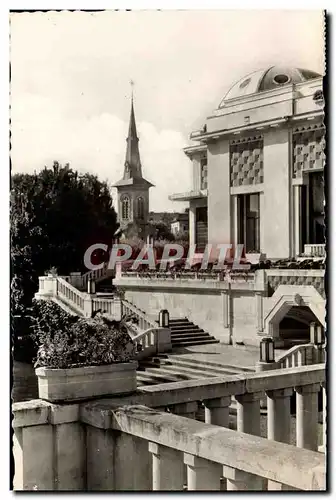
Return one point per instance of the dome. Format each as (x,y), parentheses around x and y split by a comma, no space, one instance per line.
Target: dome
(268,79)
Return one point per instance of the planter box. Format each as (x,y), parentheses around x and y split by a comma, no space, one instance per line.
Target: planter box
(72,384)
(255,258)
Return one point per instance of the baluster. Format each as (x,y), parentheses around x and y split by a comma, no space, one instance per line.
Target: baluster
(217,411)
(202,475)
(278,415)
(167,468)
(237,480)
(307,416)
(301,357)
(248,421)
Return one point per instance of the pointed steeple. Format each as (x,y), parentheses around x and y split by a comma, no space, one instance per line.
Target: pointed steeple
(132,161)
(132,166)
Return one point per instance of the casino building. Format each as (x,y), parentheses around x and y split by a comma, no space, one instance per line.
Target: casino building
(258,167)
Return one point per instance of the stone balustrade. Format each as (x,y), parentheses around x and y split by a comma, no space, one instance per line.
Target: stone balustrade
(152,341)
(131,443)
(144,321)
(301,355)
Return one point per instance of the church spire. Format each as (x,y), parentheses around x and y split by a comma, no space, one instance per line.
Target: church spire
(132,161)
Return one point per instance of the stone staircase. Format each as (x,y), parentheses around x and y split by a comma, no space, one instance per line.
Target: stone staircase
(176,367)
(185,333)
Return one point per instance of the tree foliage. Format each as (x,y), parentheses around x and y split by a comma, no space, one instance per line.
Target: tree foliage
(55,215)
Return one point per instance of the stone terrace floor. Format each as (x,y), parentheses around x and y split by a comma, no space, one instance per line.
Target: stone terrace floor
(244,356)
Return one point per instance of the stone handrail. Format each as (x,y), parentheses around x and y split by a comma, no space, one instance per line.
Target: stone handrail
(70,295)
(315,250)
(300,355)
(152,341)
(144,322)
(157,445)
(108,305)
(96,275)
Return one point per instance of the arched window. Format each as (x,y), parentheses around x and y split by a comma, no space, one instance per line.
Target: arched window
(125,207)
(141,207)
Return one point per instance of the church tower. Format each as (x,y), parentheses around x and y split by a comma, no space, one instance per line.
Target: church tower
(133,189)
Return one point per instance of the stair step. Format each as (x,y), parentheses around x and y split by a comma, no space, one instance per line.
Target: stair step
(161,378)
(196,342)
(218,370)
(178,358)
(188,372)
(183,327)
(172,372)
(187,330)
(183,338)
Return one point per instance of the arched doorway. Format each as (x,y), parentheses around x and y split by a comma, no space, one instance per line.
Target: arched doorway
(289,313)
(294,328)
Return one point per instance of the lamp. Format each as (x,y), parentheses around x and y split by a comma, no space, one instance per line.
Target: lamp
(316,334)
(267,350)
(164,318)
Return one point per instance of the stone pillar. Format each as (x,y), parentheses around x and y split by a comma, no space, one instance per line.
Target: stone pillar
(323,447)
(278,415)
(307,416)
(167,468)
(248,421)
(248,413)
(192,225)
(260,312)
(202,475)
(34,458)
(217,411)
(226,311)
(237,480)
(100,447)
(297,219)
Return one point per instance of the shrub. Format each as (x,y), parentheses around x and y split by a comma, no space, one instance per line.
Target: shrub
(66,341)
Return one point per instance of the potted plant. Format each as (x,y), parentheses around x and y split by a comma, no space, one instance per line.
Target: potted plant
(254,257)
(82,358)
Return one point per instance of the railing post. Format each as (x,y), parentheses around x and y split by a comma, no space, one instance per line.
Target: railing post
(202,475)
(278,415)
(167,468)
(248,413)
(248,421)
(217,411)
(237,480)
(307,416)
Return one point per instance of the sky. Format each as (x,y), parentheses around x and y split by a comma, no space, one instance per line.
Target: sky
(71,72)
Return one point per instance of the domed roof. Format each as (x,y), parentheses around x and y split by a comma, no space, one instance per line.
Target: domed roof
(267,79)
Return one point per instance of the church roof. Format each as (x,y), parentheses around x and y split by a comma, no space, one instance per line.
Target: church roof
(132,166)
(268,79)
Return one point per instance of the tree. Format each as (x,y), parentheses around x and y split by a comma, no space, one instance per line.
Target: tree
(55,215)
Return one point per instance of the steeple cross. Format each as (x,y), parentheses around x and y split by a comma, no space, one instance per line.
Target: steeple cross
(132,85)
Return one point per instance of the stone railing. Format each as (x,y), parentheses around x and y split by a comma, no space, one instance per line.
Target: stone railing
(315,250)
(96,275)
(190,275)
(144,322)
(131,442)
(152,341)
(70,295)
(109,305)
(301,355)
(59,289)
